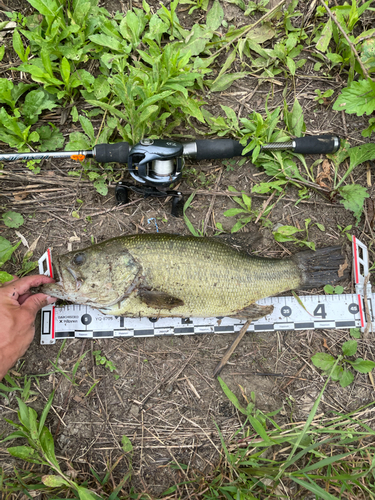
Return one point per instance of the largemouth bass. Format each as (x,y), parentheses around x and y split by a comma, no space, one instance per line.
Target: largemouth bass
(163,275)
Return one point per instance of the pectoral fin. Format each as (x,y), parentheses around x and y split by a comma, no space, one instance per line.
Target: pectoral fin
(159,300)
(253,312)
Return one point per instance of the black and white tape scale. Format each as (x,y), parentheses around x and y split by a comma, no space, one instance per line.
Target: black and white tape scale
(319,312)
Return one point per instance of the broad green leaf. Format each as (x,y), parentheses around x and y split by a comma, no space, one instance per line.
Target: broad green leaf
(33,137)
(6,96)
(101,87)
(85,494)
(287,230)
(360,154)
(266,187)
(107,41)
(87,128)
(46,7)
(54,481)
(35,102)
(101,186)
(353,198)
(325,37)
(148,112)
(12,219)
(24,453)
(337,373)
(77,141)
(234,211)
(368,51)
(48,446)
(18,46)
(261,34)
(291,65)
(349,348)
(6,250)
(33,429)
(323,361)
(328,289)
(225,81)
(4,277)
(355,332)
(296,121)
(50,138)
(362,365)
(65,70)
(232,397)
(45,412)
(126,444)
(215,16)
(358,98)
(110,108)
(80,12)
(346,378)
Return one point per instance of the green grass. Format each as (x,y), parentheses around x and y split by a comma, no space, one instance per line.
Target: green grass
(330,456)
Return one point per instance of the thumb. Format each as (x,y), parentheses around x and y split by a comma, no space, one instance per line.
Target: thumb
(35,302)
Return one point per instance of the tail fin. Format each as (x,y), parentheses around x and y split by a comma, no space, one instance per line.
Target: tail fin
(324,266)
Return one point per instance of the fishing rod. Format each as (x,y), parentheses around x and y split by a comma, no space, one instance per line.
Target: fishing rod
(158,163)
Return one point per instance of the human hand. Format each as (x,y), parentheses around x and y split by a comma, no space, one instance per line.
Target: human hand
(18,308)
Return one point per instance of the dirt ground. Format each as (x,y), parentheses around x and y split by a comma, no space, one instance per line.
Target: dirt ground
(165,398)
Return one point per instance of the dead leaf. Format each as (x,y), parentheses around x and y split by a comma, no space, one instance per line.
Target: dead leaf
(342,268)
(74,238)
(20,196)
(34,244)
(325,343)
(77,399)
(325,174)
(23,239)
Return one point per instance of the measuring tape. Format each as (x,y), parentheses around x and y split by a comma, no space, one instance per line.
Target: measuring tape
(319,311)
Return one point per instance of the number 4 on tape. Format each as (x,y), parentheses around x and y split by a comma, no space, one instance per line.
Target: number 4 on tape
(317,312)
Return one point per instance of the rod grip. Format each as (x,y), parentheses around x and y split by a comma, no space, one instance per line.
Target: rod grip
(318,144)
(118,152)
(216,149)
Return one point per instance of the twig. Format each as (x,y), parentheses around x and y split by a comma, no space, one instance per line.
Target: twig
(351,45)
(209,211)
(231,349)
(265,205)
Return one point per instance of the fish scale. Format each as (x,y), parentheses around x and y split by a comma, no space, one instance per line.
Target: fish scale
(209,276)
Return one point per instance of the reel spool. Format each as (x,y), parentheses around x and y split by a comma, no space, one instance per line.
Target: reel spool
(156,162)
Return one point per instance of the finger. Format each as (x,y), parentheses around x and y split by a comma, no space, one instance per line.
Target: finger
(23,285)
(22,298)
(35,302)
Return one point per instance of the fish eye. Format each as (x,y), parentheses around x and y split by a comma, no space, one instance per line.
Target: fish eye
(79,259)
